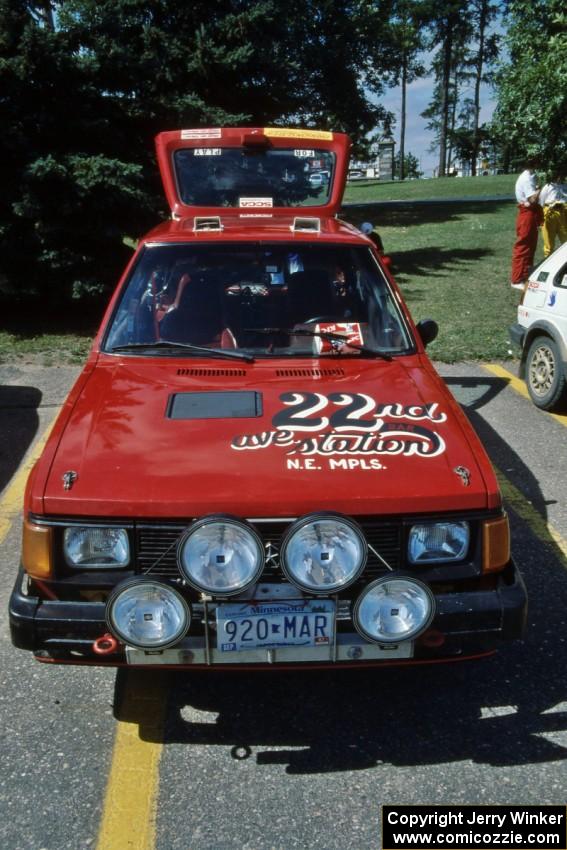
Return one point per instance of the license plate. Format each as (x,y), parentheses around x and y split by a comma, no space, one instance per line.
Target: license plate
(296,622)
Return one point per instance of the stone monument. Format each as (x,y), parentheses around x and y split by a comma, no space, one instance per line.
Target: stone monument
(386,157)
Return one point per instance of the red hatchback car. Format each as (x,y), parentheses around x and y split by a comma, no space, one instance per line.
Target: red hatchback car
(258,464)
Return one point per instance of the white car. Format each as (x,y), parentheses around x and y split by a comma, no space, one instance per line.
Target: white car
(541,332)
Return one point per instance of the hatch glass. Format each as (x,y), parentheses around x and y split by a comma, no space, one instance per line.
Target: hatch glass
(245,178)
(252,170)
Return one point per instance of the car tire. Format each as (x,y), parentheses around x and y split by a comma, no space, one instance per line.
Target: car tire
(545,376)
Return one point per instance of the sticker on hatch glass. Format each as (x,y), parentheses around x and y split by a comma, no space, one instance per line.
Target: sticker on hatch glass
(270,625)
(256,202)
(207,152)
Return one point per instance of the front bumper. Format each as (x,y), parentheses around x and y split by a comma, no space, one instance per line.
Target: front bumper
(466,622)
(517,334)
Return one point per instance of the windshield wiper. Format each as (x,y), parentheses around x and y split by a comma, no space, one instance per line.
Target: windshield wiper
(185,346)
(330,335)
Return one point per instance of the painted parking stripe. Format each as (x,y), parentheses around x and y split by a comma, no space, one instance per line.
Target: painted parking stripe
(519,386)
(129,813)
(542,529)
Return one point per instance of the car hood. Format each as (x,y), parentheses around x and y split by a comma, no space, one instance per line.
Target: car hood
(169,438)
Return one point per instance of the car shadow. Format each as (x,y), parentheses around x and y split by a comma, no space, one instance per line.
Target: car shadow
(409,213)
(510,709)
(433,261)
(19,422)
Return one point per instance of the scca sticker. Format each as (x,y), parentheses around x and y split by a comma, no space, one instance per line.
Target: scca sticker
(348,431)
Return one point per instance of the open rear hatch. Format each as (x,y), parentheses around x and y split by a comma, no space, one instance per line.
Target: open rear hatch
(253,170)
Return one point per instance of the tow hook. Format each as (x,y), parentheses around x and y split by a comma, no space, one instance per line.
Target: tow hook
(105,645)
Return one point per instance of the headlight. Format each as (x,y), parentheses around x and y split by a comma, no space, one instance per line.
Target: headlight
(438,542)
(394,609)
(96,547)
(323,553)
(220,555)
(147,614)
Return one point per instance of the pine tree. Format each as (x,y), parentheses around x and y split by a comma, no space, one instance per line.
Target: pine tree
(449,31)
(86,89)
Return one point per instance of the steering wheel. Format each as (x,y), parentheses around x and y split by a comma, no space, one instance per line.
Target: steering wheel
(316,319)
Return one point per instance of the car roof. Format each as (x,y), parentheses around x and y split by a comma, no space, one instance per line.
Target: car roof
(255,227)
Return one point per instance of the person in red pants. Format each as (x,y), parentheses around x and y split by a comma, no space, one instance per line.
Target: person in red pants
(528,220)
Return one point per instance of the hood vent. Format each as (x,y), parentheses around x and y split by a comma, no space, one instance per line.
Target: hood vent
(209,222)
(310,373)
(302,224)
(212,373)
(241,373)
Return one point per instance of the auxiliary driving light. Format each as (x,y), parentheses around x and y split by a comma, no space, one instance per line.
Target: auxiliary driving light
(392,609)
(220,555)
(323,553)
(147,614)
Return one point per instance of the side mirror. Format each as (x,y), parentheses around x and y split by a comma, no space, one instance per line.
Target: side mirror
(427,330)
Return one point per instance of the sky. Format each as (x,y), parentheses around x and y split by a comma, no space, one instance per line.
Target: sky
(418,138)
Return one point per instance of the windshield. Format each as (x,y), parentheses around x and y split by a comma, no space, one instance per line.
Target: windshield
(239,177)
(263,300)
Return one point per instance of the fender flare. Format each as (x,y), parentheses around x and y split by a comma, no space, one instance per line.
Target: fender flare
(542,328)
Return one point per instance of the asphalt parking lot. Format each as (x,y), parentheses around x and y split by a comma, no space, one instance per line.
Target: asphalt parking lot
(92,758)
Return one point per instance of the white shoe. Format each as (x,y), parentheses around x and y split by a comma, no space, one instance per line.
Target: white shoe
(518,285)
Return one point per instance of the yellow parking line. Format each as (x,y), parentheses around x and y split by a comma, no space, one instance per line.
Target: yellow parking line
(519,386)
(129,814)
(11,502)
(542,529)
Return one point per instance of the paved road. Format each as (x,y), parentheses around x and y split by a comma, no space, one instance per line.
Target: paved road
(290,761)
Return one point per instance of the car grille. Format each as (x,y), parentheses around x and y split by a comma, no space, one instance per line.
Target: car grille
(156,547)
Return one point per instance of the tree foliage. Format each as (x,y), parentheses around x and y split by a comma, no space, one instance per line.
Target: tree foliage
(410,168)
(449,31)
(466,48)
(532,84)
(482,58)
(85,86)
(407,36)
(469,143)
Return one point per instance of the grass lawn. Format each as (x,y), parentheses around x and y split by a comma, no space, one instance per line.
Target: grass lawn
(452,262)
(438,187)
(30,333)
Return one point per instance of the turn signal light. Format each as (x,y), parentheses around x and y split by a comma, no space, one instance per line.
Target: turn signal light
(36,550)
(495,544)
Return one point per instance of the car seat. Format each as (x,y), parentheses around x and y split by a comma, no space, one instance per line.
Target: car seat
(197,317)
